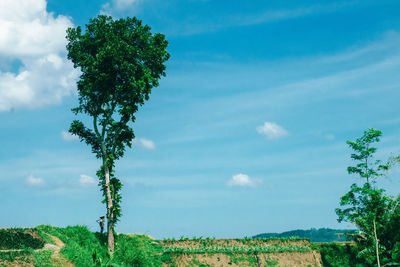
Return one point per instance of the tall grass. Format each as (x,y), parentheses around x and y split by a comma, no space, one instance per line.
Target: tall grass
(84,248)
(80,244)
(11,256)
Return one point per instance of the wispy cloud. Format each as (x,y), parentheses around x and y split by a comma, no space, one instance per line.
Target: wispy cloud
(283,14)
(214,24)
(86,180)
(271,130)
(329,136)
(243,180)
(66,136)
(143,142)
(34,182)
(118,5)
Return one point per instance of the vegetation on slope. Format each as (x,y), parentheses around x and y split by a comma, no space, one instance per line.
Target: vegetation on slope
(85,248)
(77,246)
(82,248)
(288,251)
(18,238)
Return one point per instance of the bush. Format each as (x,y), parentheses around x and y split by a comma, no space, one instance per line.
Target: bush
(339,255)
(17,238)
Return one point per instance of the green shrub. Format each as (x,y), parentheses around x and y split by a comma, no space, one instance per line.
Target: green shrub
(18,238)
(396,253)
(340,255)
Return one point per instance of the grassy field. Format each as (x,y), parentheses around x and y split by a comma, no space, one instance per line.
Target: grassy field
(77,246)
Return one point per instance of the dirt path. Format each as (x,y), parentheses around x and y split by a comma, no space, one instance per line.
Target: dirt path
(58,259)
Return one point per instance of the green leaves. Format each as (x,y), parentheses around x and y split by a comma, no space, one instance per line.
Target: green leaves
(86,135)
(120,61)
(364,151)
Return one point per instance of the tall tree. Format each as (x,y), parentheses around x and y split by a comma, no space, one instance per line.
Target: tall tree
(120,62)
(366,206)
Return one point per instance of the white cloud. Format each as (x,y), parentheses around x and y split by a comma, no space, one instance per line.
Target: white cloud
(36,39)
(86,180)
(243,180)
(34,182)
(271,130)
(66,136)
(143,142)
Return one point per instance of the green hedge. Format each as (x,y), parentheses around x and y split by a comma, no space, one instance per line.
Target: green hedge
(17,238)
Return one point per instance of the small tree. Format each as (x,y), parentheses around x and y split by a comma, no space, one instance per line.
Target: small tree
(366,206)
(366,168)
(121,61)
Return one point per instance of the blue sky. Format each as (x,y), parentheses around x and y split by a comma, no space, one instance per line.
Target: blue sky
(246,133)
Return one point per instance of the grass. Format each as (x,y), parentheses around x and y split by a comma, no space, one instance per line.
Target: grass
(244,259)
(84,248)
(197,263)
(43,258)
(12,256)
(271,262)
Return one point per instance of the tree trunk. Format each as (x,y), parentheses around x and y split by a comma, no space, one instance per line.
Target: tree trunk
(376,244)
(110,213)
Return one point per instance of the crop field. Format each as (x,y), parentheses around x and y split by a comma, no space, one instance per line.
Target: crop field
(239,252)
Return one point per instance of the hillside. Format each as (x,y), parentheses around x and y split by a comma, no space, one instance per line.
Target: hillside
(315,235)
(77,246)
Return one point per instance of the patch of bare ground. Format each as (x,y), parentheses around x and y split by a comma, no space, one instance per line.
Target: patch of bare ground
(292,259)
(16,263)
(215,259)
